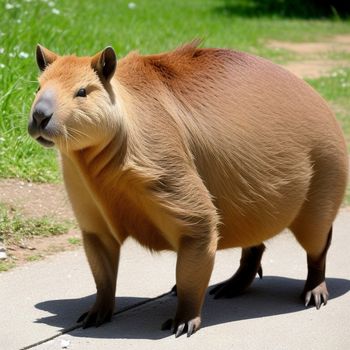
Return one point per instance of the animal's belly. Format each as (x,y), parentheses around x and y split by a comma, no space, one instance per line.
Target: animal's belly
(131,220)
(149,236)
(252,225)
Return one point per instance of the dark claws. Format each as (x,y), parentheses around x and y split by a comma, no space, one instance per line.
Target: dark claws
(260,272)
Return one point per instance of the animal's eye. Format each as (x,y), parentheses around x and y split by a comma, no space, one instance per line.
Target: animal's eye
(81,92)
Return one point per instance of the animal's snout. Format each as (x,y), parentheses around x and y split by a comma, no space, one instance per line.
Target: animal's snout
(39,126)
(41,117)
(43,112)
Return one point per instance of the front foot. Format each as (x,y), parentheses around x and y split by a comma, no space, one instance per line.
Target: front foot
(180,327)
(99,314)
(318,295)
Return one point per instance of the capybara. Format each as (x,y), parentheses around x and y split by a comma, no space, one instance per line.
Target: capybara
(193,150)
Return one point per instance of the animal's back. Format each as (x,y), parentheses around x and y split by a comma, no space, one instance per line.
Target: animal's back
(255,131)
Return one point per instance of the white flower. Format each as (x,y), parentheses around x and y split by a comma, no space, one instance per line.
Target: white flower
(2,50)
(19,20)
(2,139)
(55,11)
(2,65)
(51,4)
(12,54)
(9,6)
(131,5)
(23,54)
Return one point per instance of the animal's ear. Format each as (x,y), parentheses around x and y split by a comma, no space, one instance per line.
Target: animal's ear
(44,57)
(105,63)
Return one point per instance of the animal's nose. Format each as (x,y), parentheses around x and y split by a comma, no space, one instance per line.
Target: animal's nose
(41,117)
(42,113)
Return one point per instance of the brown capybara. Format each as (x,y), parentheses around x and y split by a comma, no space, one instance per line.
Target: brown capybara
(191,150)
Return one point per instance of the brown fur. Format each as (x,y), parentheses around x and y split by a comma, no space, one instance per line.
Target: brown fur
(193,150)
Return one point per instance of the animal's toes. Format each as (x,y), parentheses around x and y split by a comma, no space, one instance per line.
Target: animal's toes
(307,298)
(178,328)
(90,320)
(318,295)
(190,327)
(95,318)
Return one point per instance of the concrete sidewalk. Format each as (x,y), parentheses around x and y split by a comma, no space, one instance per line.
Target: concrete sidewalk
(40,300)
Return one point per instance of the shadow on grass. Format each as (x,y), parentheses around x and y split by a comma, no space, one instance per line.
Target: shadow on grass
(305,9)
(268,297)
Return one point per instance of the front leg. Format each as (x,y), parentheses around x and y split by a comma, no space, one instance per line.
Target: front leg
(101,247)
(102,252)
(193,270)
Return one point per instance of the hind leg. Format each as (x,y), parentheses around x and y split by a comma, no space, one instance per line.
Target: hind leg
(316,244)
(313,225)
(315,286)
(250,265)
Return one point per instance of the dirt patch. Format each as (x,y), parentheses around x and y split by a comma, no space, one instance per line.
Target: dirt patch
(339,43)
(36,200)
(313,65)
(313,69)
(40,247)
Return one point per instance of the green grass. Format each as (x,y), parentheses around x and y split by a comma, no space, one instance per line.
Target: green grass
(335,88)
(6,265)
(74,240)
(152,26)
(34,257)
(14,227)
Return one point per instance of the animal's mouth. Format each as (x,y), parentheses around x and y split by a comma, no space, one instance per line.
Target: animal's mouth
(44,142)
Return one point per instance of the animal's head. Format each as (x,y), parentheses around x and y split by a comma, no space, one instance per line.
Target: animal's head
(74,105)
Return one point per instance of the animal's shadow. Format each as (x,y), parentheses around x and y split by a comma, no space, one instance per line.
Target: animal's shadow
(267,297)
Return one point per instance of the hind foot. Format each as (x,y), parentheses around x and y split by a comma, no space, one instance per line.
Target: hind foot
(100,313)
(250,265)
(178,328)
(318,295)
(315,287)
